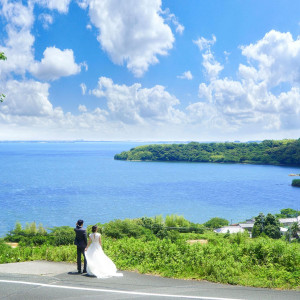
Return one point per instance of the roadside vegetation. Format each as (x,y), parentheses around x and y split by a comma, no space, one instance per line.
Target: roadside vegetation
(163,246)
(268,152)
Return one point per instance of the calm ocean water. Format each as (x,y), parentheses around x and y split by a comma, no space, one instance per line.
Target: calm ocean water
(57,183)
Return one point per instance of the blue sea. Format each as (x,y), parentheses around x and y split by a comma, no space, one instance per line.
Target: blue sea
(56,183)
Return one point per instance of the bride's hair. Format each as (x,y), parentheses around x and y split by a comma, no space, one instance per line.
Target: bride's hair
(94,228)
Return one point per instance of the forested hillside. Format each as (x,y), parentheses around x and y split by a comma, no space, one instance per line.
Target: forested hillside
(271,152)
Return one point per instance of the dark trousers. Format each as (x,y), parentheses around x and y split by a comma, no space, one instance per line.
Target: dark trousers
(80,251)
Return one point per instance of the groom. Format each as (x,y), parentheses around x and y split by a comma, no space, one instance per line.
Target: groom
(81,243)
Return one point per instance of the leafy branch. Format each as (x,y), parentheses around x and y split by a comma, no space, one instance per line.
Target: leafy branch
(2,57)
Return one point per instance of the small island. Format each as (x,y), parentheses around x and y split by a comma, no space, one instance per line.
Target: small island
(267,152)
(296,182)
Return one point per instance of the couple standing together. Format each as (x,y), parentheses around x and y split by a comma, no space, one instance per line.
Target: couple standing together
(95,260)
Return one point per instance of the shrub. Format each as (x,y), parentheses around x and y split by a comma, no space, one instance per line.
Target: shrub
(296,182)
(63,235)
(176,221)
(288,213)
(122,228)
(36,240)
(268,226)
(31,235)
(216,223)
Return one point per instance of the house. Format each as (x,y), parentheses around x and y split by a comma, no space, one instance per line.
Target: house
(230,229)
(248,225)
(283,230)
(289,221)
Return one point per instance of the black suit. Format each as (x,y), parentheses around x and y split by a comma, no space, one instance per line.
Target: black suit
(81,243)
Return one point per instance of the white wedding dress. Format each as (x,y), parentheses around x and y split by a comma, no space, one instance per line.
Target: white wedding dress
(98,263)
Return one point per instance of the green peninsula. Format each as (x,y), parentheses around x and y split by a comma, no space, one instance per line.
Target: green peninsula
(268,152)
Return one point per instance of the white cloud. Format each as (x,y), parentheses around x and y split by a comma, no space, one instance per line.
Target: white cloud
(273,60)
(186,75)
(180,29)
(211,66)
(84,65)
(265,96)
(19,51)
(277,56)
(82,108)
(83,88)
(204,43)
(131,32)
(18,14)
(134,104)
(26,98)
(55,64)
(83,3)
(27,112)
(61,6)
(226,55)
(172,18)
(46,20)
(19,48)
(19,41)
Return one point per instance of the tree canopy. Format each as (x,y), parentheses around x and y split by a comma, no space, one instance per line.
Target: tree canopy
(267,225)
(288,213)
(269,152)
(216,223)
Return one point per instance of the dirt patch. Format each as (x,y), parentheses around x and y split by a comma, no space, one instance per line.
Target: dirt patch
(191,242)
(13,245)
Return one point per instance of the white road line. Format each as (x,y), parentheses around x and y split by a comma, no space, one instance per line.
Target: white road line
(115,291)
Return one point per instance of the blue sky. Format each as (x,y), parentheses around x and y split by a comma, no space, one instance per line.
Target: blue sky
(202,70)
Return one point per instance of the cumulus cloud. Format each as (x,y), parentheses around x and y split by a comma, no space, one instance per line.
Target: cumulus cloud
(26,98)
(55,64)
(186,75)
(131,32)
(134,104)
(18,15)
(265,93)
(61,6)
(19,41)
(19,47)
(277,56)
(251,99)
(27,107)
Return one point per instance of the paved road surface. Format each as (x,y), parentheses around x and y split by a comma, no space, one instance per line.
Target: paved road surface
(50,280)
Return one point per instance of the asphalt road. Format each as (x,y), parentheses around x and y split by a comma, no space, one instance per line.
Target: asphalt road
(50,280)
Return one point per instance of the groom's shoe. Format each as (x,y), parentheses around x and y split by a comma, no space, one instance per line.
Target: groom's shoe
(84,271)
(79,272)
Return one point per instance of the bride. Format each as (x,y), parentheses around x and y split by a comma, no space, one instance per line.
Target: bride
(98,263)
